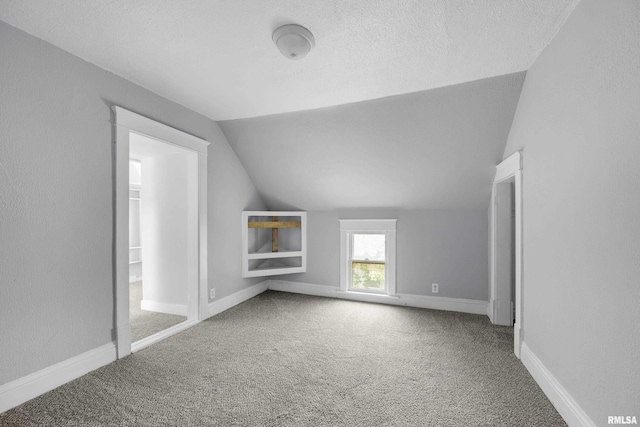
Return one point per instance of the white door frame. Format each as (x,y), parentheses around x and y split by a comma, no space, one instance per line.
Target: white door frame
(127,122)
(510,168)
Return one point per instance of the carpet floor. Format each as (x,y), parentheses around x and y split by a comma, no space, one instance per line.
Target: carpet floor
(284,359)
(146,323)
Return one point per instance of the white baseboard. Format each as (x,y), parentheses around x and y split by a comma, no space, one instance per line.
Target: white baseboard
(303,288)
(23,389)
(133,279)
(33,385)
(164,307)
(566,406)
(159,336)
(420,301)
(218,306)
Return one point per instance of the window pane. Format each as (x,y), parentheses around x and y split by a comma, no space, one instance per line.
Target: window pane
(365,275)
(368,247)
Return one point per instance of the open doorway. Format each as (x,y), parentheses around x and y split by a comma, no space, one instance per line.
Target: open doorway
(144,323)
(505,305)
(504,252)
(160,231)
(162,214)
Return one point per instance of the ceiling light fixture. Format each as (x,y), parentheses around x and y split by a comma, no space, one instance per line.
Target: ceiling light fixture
(293,41)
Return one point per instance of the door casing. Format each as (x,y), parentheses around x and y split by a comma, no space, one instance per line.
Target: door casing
(126,123)
(510,170)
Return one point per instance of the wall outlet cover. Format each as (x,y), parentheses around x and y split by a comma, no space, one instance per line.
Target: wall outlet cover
(212,293)
(435,288)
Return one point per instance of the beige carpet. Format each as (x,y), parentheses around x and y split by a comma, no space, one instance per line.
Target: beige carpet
(293,360)
(146,323)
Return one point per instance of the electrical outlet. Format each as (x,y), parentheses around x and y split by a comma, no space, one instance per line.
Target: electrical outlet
(212,293)
(435,288)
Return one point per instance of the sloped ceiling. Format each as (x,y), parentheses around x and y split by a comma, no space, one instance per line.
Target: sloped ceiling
(217,58)
(435,149)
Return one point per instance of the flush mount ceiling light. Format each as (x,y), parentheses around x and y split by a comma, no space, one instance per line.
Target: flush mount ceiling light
(293,41)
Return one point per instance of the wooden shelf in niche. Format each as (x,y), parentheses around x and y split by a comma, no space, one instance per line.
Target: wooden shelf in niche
(274,243)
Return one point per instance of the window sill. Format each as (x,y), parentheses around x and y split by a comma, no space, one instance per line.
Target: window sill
(368,294)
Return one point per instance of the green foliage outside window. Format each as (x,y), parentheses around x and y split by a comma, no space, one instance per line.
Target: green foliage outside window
(366,275)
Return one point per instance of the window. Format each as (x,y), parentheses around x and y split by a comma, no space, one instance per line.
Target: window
(367,256)
(367,262)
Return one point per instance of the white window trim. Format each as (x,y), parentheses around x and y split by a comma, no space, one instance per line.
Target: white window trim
(376,226)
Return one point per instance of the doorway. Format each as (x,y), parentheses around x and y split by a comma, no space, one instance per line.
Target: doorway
(162,213)
(504,262)
(160,225)
(506,287)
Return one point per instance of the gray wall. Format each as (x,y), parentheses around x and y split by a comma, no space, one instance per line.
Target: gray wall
(448,247)
(435,149)
(426,158)
(56,212)
(169,218)
(230,192)
(578,120)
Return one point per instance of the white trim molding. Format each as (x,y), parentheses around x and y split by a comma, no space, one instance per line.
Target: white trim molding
(419,301)
(249,255)
(507,170)
(159,336)
(163,133)
(564,403)
(223,304)
(33,385)
(23,389)
(128,123)
(164,307)
(508,167)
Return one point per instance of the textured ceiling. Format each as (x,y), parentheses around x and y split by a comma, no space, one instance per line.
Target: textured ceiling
(216,56)
(435,149)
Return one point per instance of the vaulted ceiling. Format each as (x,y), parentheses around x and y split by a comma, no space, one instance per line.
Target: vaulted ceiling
(217,58)
(402,103)
(435,149)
